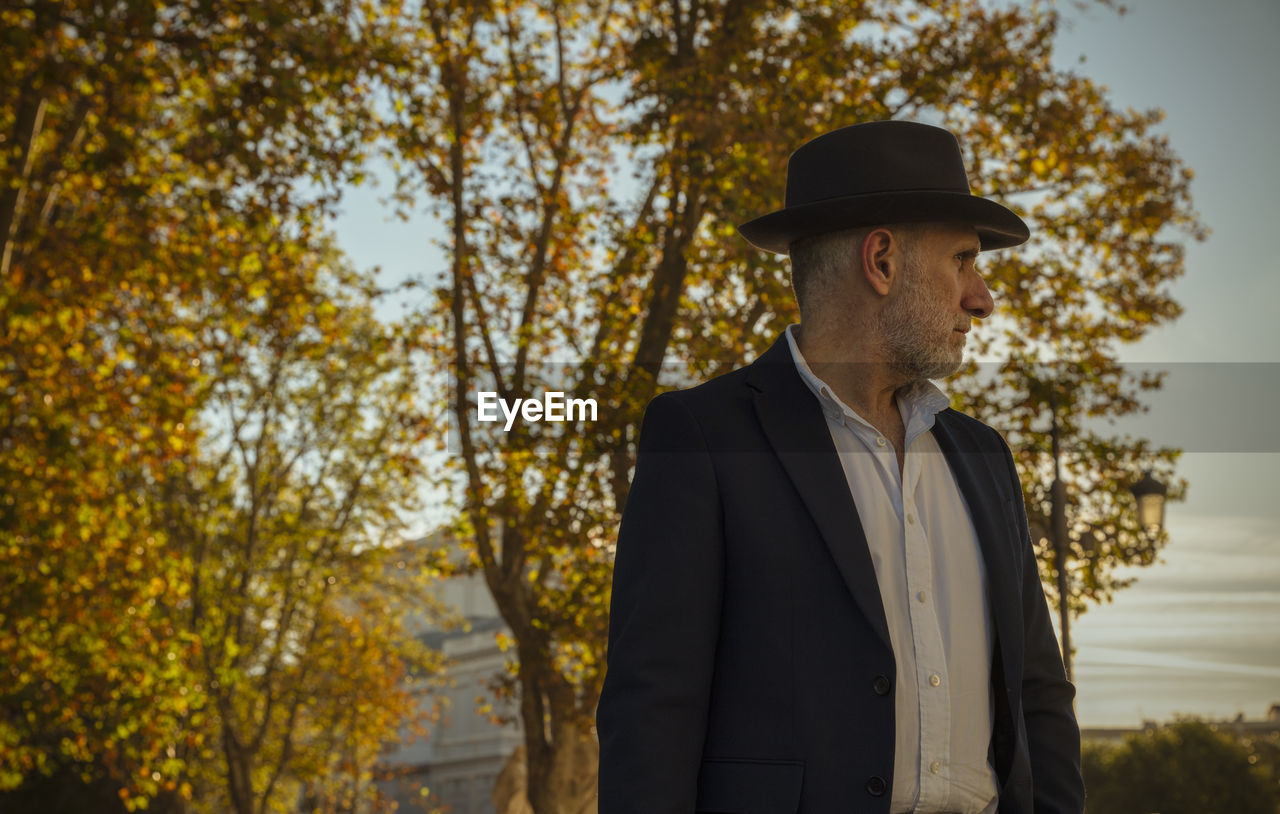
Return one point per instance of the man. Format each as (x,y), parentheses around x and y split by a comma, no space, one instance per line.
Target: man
(825,597)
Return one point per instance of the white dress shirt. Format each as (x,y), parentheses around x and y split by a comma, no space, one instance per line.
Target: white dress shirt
(933,586)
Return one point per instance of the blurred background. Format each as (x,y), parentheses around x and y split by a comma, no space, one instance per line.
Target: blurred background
(256,553)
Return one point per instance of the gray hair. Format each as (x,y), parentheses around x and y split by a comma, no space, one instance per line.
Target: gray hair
(819,261)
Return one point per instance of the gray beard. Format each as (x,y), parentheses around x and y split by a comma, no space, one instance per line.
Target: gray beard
(906,326)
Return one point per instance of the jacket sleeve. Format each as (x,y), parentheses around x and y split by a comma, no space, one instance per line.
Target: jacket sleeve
(664,621)
(1053,736)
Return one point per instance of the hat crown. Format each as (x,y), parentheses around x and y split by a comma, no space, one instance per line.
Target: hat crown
(874,158)
(876,173)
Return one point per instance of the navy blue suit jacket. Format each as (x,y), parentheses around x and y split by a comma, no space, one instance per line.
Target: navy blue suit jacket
(749,664)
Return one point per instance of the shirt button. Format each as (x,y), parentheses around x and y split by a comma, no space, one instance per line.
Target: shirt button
(880,441)
(935,679)
(920,596)
(935,767)
(911,518)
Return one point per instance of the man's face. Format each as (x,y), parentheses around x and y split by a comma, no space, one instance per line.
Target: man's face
(938,293)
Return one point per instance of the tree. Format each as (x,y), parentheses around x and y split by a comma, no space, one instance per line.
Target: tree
(150,153)
(528,117)
(1188,766)
(1264,753)
(524,80)
(291,519)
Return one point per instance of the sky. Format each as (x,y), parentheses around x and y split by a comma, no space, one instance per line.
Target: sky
(1199,632)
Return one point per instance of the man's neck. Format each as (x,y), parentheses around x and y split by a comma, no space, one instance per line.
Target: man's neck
(857,373)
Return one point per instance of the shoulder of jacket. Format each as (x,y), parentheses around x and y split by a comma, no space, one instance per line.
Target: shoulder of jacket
(713,394)
(979,432)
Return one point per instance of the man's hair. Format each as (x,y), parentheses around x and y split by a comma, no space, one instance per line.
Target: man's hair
(818,261)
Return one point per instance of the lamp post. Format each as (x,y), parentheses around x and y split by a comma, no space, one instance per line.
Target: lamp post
(1149,494)
(1058,528)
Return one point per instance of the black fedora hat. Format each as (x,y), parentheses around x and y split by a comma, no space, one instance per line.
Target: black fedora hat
(880,173)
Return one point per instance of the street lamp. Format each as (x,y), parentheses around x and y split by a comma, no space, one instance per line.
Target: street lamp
(1150,493)
(1058,528)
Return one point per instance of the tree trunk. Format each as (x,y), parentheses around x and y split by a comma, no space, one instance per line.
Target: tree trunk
(573,790)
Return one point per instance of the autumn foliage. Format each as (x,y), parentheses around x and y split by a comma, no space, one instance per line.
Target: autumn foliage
(208,442)
(590,161)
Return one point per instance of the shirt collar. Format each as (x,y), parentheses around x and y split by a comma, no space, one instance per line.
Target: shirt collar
(918,402)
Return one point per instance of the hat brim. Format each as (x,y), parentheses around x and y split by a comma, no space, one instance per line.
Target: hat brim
(997,227)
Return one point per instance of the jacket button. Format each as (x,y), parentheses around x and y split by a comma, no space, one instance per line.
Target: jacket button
(876,786)
(881,685)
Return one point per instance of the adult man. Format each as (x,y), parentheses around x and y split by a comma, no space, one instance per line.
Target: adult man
(812,611)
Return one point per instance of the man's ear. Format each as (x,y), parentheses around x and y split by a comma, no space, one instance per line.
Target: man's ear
(879,254)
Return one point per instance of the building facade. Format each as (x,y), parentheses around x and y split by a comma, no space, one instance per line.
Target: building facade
(465,751)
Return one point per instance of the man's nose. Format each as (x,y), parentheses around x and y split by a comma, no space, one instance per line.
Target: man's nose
(977,298)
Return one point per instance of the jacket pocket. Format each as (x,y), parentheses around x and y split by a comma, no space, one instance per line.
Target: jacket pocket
(749,786)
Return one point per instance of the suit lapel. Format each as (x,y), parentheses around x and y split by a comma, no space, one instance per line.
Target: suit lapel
(793,422)
(797,430)
(986,496)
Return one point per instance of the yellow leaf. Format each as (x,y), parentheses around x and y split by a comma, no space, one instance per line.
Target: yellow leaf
(258,289)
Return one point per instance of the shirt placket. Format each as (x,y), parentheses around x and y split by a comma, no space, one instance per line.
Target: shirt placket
(926,635)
